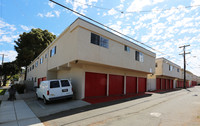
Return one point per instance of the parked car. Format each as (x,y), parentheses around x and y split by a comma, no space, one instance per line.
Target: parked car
(51,90)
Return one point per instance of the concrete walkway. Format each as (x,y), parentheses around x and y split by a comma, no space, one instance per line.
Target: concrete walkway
(16,113)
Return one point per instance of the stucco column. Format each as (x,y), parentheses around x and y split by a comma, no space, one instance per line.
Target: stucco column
(124,84)
(137,85)
(107,85)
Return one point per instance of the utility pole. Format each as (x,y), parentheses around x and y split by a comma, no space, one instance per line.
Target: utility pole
(184,61)
(2,66)
(2,59)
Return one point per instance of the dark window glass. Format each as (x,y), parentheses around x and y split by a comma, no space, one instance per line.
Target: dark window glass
(65,83)
(156,65)
(54,84)
(55,50)
(137,55)
(95,39)
(126,48)
(50,53)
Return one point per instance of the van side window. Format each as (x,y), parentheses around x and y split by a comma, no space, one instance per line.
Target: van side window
(65,83)
(54,84)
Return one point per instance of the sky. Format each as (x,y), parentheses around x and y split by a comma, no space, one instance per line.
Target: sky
(164,25)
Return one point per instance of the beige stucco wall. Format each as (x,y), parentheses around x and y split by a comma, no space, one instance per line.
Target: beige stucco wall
(115,54)
(163,68)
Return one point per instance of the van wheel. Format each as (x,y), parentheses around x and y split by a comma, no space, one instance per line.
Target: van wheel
(37,96)
(44,100)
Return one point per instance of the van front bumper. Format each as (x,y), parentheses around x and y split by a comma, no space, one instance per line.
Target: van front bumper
(61,97)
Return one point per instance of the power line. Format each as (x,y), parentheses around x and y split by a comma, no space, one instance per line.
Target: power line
(107,27)
(112,29)
(145,11)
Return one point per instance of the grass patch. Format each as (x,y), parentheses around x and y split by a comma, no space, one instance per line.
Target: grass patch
(2,91)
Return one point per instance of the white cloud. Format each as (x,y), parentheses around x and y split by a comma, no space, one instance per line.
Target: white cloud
(51,4)
(8,38)
(40,15)
(57,13)
(157,1)
(195,2)
(112,12)
(10,55)
(80,5)
(122,1)
(7,32)
(138,5)
(26,28)
(90,1)
(49,14)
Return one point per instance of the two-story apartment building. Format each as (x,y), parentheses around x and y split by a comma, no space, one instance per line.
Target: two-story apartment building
(189,79)
(99,62)
(165,76)
(194,80)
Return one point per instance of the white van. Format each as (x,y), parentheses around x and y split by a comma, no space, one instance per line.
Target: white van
(51,90)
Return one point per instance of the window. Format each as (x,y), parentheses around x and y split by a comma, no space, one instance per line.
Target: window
(156,65)
(54,84)
(32,67)
(170,68)
(98,40)
(64,83)
(41,60)
(46,55)
(27,70)
(177,70)
(35,79)
(139,56)
(36,63)
(53,51)
(126,48)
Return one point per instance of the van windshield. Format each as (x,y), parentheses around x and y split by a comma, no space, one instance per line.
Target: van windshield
(65,83)
(54,84)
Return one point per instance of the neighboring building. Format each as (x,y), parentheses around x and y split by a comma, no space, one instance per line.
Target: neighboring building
(189,78)
(98,62)
(165,76)
(194,80)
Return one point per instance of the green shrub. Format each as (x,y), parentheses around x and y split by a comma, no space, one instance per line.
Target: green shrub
(2,91)
(20,88)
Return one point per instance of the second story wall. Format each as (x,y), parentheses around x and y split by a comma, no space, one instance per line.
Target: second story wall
(167,68)
(114,53)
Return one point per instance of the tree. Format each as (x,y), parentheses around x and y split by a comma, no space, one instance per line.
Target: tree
(9,70)
(30,45)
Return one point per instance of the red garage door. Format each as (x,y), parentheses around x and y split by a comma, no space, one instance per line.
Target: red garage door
(95,84)
(141,85)
(158,84)
(171,84)
(187,84)
(116,85)
(168,84)
(131,85)
(163,84)
(44,78)
(39,80)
